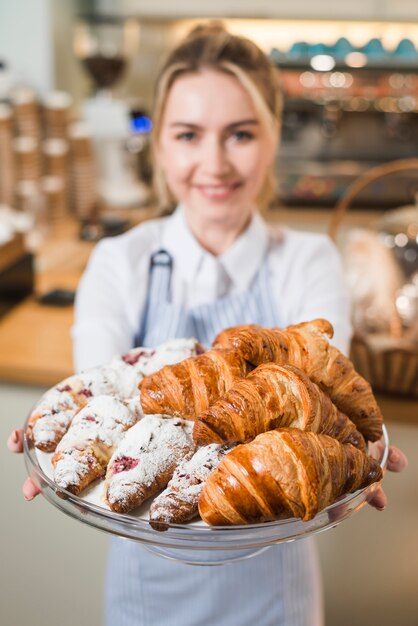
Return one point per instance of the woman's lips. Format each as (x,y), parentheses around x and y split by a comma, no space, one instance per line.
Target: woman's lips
(218,192)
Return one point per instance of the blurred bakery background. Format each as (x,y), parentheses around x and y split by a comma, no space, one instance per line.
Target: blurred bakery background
(76,84)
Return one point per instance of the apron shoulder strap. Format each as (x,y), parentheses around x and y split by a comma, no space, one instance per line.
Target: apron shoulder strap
(159,287)
(161,258)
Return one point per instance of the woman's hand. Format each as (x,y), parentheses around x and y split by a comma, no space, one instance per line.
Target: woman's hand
(15,444)
(397,462)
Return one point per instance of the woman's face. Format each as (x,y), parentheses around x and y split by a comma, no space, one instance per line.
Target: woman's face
(213,148)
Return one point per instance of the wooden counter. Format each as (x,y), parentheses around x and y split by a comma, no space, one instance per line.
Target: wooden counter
(398,409)
(35,343)
(35,340)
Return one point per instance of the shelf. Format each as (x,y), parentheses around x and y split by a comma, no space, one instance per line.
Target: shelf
(385,66)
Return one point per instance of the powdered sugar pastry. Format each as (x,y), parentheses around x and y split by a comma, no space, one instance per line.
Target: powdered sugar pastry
(84,451)
(52,416)
(178,503)
(146,459)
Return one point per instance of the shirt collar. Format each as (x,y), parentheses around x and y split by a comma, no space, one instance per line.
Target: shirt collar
(241,261)
(179,241)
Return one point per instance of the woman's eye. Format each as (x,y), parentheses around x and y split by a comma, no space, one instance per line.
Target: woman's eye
(186,136)
(242,135)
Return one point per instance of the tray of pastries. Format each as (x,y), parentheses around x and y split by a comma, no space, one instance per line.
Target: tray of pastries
(269,436)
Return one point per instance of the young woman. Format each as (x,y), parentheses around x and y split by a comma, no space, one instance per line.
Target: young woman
(213,263)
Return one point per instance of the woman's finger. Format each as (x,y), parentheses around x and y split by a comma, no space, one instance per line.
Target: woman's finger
(378,499)
(15,441)
(397,461)
(15,444)
(30,490)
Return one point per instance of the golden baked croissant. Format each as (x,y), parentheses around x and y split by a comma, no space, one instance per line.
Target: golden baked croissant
(273,396)
(188,388)
(284,473)
(307,347)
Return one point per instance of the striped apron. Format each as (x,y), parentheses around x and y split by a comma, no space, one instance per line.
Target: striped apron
(281,586)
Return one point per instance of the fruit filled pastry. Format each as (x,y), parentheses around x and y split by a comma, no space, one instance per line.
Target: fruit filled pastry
(307,347)
(146,459)
(128,370)
(284,473)
(273,396)
(188,388)
(84,451)
(170,353)
(125,371)
(178,503)
(51,418)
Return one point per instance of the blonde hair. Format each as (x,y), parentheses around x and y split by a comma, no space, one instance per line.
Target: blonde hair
(211,46)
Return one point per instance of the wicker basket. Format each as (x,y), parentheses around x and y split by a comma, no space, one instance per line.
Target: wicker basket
(388,369)
(389,364)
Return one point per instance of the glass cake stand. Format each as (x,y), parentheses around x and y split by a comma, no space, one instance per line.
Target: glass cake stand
(195,543)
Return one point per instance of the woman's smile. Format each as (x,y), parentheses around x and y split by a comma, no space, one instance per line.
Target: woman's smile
(221,191)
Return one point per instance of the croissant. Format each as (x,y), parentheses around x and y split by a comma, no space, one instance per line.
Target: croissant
(145,460)
(284,473)
(178,503)
(273,396)
(84,451)
(188,388)
(307,347)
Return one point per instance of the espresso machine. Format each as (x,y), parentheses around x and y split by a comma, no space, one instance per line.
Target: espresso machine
(119,128)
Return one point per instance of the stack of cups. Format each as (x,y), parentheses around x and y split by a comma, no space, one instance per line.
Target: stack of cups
(7,169)
(27,194)
(54,192)
(27,158)
(56,109)
(26,113)
(55,153)
(29,200)
(83,174)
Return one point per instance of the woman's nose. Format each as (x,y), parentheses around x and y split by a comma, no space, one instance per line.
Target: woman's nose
(215,161)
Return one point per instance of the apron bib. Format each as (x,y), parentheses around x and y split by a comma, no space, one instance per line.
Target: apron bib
(281,586)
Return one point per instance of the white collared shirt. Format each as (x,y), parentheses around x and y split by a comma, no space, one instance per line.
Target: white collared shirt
(199,276)
(305,274)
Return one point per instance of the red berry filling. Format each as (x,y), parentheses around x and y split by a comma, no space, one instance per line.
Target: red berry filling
(193,480)
(86,392)
(123,464)
(64,388)
(131,359)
